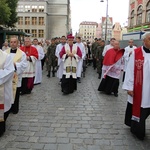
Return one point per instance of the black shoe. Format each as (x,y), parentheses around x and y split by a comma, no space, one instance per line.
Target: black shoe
(14,112)
(99,76)
(1,134)
(116,94)
(78,80)
(139,136)
(28,92)
(83,74)
(65,93)
(36,83)
(22,93)
(48,76)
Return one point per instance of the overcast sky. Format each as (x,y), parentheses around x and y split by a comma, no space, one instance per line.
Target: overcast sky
(93,10)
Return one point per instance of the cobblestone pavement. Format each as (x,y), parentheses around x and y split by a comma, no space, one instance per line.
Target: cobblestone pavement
(84,120)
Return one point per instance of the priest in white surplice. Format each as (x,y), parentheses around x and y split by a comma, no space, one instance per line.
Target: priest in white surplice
(6,92)
(80,62)
(59,61)
(128,51)
(38,65)
(29,74)
(137,84)
(70,54)
(20,63)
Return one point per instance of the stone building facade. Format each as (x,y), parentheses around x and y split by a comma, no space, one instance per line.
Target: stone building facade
(139,15)
(107,34)
(44,18)
(117,31)
(87,30)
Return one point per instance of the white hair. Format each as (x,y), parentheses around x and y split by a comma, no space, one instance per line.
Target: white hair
(27,38)
(145,35)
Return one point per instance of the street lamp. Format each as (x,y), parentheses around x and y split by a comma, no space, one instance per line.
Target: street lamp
(106,19)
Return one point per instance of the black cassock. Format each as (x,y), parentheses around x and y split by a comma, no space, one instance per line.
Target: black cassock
(68,85)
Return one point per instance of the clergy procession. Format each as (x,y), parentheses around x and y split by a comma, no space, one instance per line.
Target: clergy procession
(69,59)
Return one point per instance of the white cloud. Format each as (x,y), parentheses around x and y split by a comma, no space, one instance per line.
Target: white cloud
(93,10)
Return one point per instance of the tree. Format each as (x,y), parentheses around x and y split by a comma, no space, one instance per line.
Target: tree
(12,4)
(4,12)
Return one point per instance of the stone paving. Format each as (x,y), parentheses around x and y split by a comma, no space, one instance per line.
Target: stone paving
(84,120)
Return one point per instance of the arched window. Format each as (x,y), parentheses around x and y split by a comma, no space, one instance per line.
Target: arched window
(139,15)
(132,19)
(148,12)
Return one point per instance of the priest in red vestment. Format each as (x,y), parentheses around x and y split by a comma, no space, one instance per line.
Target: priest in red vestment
(70,55)
(111,70)
(29,74)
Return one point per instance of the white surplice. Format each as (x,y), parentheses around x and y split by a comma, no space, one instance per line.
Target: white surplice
(6,76)
(129,79)
(38,66)
(59,62)
(20,66)
(126,56)
(114,70)
(80,62)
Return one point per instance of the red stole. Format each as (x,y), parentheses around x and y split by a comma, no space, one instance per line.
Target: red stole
(138,83)
(112,56)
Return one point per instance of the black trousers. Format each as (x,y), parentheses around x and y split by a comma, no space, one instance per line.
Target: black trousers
(3,123)
(137,128)
(94,62)
(15,106)
(43,61)
(123,76)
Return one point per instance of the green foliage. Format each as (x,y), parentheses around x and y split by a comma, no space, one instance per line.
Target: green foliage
(4,12)
(8,14)
(13,16)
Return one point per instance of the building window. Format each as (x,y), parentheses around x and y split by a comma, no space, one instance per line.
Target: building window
(21,30)
(20,8)
(34,33)
(41,20)
(148,16)
(20,20)
(27,8)
(41,8)
(139,15)
(41,33)
(27,30)
(27,20)
(34,20)
(34,8)
(148,12)
(132,19)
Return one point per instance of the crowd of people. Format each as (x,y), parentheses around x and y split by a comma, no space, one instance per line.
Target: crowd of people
(21,67)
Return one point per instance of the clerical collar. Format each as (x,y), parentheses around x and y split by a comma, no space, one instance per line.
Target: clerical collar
(13,50)
(146,49)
